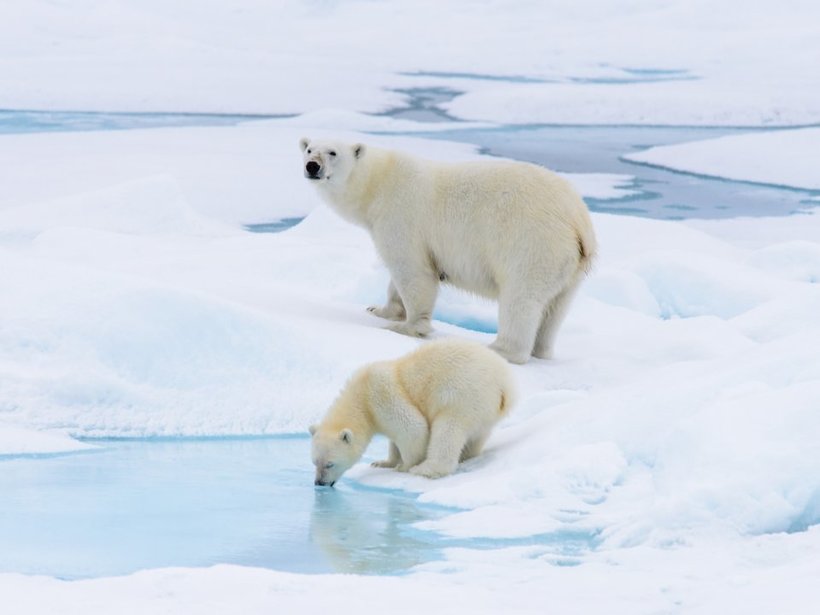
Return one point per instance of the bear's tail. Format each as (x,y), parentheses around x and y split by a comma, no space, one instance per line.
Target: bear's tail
(587,244)
(507,399)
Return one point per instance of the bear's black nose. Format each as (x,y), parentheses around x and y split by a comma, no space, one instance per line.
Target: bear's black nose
(312,167)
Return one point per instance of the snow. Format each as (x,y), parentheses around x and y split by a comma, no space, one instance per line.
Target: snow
(781,157)
(15,440)
(653,62)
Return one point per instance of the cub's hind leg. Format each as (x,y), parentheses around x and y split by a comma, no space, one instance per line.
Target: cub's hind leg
(447,440)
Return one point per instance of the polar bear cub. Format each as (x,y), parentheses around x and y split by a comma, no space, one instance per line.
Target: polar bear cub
(510,231)
(437,405)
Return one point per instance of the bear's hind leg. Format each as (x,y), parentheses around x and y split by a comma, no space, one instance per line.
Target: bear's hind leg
(447,440)
(551,320)
(393,309)
(518,322)
(393,458)
(474,447)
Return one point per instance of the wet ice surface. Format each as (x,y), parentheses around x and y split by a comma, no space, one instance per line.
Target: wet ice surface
(135,504)
(277,226)
(14,121)
(660,193)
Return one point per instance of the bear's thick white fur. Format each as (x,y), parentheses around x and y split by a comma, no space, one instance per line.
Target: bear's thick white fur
(510,231)
(437,405)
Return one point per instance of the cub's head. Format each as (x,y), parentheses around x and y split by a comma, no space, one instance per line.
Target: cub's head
(333,452)
(327,162)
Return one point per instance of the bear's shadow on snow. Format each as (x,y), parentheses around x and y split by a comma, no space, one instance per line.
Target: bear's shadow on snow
(369,532)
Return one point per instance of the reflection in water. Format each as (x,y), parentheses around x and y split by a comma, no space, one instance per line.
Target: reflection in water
(356,538)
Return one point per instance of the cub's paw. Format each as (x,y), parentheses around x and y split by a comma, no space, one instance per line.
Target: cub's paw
(421,329)
(386,463)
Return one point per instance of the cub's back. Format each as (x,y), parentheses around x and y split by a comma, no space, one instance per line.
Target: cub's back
(451,372)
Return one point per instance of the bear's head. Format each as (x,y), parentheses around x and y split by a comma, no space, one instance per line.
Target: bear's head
(327,162)
(333,452)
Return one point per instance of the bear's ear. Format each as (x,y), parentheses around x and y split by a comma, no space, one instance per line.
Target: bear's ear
(312,429)
(303,143)
(346,436)
(358,150)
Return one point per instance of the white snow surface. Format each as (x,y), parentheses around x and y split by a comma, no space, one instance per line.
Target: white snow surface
(676,429)
(15,440)
(746,62)
(782,157)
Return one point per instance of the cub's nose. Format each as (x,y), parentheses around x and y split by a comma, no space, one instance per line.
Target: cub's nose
(312,167)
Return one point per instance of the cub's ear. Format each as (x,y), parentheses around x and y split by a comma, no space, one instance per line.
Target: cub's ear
(346,436)
(303,143)
(358,150)
(312,429)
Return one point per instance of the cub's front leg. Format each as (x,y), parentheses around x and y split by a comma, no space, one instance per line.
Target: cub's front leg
(393,458)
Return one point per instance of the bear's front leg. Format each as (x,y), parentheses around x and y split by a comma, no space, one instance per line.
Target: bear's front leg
(418,288)
(393,458)
(393,309)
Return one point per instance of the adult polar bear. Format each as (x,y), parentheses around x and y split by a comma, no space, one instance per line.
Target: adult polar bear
(510,231)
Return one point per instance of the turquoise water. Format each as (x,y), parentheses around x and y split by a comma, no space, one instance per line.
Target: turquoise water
(277,226)
(135,504)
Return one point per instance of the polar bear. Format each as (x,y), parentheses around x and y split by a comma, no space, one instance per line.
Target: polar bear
(437,405)
(510,231)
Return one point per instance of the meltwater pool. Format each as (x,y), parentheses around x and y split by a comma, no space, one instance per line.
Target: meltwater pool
(134,504)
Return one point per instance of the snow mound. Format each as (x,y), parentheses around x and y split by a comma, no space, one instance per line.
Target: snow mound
(153,205)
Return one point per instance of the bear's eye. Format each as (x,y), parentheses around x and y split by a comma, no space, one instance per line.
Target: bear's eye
(332,153)
(329,465)
(308,151)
